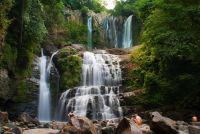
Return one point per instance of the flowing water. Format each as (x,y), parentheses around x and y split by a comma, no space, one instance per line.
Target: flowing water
(89,26)
(127,34)
(44,93)
(97,98)
(111,33)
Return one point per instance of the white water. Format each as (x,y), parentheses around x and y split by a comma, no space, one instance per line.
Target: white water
(44,113)
(127,34)
(97,98)
(89,26)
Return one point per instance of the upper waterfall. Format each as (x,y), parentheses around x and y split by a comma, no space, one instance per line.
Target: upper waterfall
(127,34)
(89,26)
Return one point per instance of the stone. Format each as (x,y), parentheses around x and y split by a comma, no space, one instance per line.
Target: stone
(41,131)
(126,126)
(194,129)
(68,129)
(46,125)
(6,92)
(8,132)
(108,130)
(162,125)
(3,117)
(83,123)
(31,125)
(79,47)
(195,123)
(27,119)
(145,129)
(17,130)
(117,51)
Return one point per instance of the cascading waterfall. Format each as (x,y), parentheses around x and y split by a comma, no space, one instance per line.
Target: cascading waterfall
(89,26)
(44,113)
(127,34)
(97,98)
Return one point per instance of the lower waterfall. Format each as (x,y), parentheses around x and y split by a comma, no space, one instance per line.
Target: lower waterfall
(97,98)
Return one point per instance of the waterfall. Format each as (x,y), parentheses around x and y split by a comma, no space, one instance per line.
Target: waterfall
(44,113)
(127,34)
(97,98)
(89,26)
(111,34)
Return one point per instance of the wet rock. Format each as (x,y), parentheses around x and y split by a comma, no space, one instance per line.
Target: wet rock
(3,117)
(162,125)
(126,126)
(194,129)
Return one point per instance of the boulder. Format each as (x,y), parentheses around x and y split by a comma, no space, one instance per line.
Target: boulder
(162,125)
(27,119)
(68,129)
(17,130)
(83,124)
(108,130)
(126,126)
(3,117)
(146,129)
(194,129)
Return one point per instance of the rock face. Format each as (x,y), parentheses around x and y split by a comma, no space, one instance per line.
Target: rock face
(162,125)
(5,90)
(28,101)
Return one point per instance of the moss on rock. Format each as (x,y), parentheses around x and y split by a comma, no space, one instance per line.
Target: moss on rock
(69,64)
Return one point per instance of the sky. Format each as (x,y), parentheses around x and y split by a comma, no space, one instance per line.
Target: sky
(110,4)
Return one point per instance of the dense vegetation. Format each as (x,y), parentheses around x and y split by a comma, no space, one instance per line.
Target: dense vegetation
(168,61)
(166,64)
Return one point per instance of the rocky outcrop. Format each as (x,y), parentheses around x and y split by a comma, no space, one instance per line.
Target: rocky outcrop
(26,118)
(162,125)
(6,92)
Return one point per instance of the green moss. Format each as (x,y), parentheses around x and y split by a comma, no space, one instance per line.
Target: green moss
(69,65)
(21,91)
